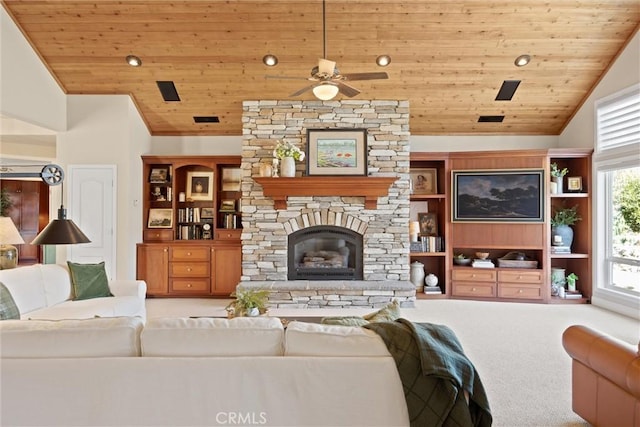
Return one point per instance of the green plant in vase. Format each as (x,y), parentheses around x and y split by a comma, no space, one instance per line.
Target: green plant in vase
(561,222)
(571,281)
(557,175)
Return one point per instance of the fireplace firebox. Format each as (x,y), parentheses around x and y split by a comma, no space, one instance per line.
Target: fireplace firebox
(325,252)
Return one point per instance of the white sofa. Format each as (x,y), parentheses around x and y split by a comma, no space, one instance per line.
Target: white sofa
(196,372)
(43,291)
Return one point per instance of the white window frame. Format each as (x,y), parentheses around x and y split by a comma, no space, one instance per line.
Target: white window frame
(610,158)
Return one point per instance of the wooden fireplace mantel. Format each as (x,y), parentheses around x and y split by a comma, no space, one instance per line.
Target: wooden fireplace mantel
(369,187)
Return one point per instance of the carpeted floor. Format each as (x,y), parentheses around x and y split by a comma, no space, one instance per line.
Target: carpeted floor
(516,348)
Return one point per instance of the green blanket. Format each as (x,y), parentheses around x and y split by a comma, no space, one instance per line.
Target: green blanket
(435,373)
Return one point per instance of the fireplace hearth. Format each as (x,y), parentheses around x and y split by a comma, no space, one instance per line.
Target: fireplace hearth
(325,252)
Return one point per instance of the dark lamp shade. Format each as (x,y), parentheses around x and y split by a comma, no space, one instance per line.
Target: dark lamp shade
(60,232)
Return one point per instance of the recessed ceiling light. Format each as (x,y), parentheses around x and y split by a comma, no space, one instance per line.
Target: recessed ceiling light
(522,60)
(383,60)
(134,61)
(270,60)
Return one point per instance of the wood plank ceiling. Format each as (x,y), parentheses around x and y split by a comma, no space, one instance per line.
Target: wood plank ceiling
(449,58)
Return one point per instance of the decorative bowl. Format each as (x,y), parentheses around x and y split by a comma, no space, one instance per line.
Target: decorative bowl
(482,255)
(462,261)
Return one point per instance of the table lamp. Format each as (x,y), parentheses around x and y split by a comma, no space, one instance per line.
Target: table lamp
(9,236)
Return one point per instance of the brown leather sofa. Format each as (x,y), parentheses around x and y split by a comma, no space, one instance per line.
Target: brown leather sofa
(605,377)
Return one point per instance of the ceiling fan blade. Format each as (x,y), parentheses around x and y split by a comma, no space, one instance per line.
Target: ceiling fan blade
(366,76)
(303,90)
(326,67)
(347,90)
(286,77)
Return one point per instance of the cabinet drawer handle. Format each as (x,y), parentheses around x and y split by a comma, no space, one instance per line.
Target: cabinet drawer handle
(473,289)
(188,285)
(165,250)
(473,275)
(520,291)
(189,269)
(519,277)
(188,253)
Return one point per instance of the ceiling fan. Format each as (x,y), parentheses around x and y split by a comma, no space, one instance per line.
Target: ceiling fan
(326,78)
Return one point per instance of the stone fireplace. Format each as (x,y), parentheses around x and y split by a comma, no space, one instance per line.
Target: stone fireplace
(371,237)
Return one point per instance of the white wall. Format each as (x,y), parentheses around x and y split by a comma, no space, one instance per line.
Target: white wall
(624,72)
(107,130)
(27,90)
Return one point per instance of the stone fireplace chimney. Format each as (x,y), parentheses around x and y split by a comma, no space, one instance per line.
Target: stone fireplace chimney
(383,231)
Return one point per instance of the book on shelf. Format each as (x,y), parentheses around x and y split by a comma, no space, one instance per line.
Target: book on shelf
(560,249)
(482,263)
(432,243)
(432,290)
(572,295)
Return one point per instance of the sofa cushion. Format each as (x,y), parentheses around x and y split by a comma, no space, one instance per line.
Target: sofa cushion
(26,285)
(388,313)
(8,307)
(188,337)
(344,320)
(312,339)
(57,287)
(102,337)
(89,280)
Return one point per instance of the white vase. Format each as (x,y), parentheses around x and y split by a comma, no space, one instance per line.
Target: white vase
(288,167)
(416,274)
(253,312)
(431,280)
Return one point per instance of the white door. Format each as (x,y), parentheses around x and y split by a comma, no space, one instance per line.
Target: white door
(92,206)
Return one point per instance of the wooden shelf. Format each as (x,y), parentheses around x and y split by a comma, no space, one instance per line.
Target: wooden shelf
(571,255)
(279,189)
(427,253)
(569,195)
(418,197)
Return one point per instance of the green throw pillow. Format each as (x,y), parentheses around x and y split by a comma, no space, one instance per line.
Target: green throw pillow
(344,321)
(8,307)
(386,314)
(89,280)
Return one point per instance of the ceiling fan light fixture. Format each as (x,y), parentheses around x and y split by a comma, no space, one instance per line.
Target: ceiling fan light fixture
(270,60)
(522,60)
(383,60)
(133,60)
(325,91)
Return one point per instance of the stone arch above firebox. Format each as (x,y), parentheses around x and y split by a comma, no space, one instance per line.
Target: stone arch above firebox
(312,218)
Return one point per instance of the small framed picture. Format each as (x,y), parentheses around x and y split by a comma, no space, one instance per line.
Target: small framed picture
(231,179)
(199,185)
(227,205)
(424,181)
(574,183)
(428,223)
(160,218)
(206,213)
(159,174)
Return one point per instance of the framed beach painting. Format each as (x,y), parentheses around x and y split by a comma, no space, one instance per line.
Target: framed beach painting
(336,152)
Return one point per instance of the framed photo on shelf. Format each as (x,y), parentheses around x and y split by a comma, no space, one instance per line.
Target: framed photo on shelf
(160,218)
(574,183)
(199,186)
(159,175)
(231,179)
(424,181)
(428,223)
(337,152)
(206,213)
(514,195)
(227,205)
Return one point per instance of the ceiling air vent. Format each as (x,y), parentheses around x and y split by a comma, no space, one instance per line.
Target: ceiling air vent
(490,119)
(507,90)
(206,119)
(168,91)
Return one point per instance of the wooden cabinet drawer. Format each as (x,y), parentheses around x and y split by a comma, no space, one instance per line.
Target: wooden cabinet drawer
(475,274)
(190,253)
(520,276)
(189,269)
(472,289)
(228,234)
(190,285)
(517,290)
(158,235)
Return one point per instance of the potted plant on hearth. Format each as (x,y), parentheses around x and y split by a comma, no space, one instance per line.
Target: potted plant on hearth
(561,222)
(248,302)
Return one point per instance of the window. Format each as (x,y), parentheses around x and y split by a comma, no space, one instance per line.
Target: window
(617,208)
